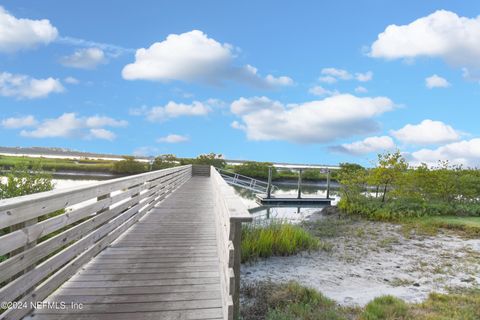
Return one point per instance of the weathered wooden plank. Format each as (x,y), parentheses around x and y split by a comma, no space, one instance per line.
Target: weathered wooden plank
(121,298)
(158,259)
(155,276)
(139,283)
(197,314)
(211,264)
(140,290)
(136,307)
(142,270)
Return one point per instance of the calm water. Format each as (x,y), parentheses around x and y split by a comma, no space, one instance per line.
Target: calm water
(292,214)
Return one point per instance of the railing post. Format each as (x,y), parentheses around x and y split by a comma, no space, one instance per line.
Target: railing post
(269,186)
(299,195)
(237,242)
(328,183)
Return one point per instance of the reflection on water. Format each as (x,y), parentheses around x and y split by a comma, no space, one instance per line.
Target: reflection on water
(292,214)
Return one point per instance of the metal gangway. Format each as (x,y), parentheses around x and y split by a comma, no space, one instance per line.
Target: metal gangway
(239,180)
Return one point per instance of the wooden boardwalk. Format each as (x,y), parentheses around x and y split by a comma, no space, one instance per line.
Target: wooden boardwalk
(166,266)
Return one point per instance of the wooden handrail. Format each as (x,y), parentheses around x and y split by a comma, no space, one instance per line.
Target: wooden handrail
(230,212)
(43,255)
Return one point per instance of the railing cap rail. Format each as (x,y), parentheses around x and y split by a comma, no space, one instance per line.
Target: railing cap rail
(6,204)
(237,210)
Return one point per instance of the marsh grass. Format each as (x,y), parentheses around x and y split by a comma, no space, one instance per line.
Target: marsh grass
(468,227)
(278,238)
(275,301)
(271,301)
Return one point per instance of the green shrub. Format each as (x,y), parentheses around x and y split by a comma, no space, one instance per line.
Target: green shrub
(23,181)
(393,191)
(257,170)
(275,239)
(129,166)
(386,308)
(164,162)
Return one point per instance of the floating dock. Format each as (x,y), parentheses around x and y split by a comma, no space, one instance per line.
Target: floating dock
(280,200)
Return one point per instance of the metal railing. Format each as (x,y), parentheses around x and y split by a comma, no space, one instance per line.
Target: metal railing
(245,182)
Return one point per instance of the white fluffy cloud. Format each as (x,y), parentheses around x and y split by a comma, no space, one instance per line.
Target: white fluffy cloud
(173,138)
(441,34)
(86,58)
(427,132)
(70,125)
(194,57)
(435,81)
(367,145)
(25,87)
(173,110)
(321,91)
(18,34)
(20,122)
(466,152)
(332,75)
(316,121)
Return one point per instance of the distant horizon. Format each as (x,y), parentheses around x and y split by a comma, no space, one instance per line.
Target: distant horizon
(105,155)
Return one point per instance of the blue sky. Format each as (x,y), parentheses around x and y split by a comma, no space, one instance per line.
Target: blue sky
(307,82)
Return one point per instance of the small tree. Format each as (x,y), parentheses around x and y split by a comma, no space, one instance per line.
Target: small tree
(129,166)
(388,171)
(352,179)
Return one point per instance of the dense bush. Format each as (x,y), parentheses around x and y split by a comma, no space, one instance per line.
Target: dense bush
(392,190)
(129,166)
(211,159)
(21,181)
(255,169)
(164,162)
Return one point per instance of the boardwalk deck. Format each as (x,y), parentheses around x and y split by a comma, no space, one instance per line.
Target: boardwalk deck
(166,266)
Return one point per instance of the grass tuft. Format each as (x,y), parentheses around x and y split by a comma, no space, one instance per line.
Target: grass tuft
(386,307)
(277,238)
(290,300)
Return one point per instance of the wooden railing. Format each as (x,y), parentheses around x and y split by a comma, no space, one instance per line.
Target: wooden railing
(48,236)
(230,212)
